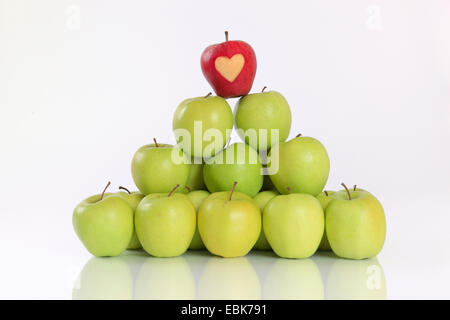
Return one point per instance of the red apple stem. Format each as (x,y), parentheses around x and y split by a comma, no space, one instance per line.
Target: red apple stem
(299,135)
(326,192)
(156,143)
(123,188)
(232,190)
(209,93)
(348,192)
(226,35)
(263,89)
(354,187)
(103,193)
(188,189)
(289,189)
(173,190)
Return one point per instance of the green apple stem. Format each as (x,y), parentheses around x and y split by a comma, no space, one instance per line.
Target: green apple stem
(156,143)
(103,193)
(263,89)
(226,35)
(289,189)
(326,192)
(232,190)
(188,189)
(173,190)
(209,93)
(348,192)
(299,135)
(354,187)
(123,188)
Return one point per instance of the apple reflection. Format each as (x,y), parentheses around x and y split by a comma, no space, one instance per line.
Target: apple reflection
(356,279)
(293,279)
(229,279)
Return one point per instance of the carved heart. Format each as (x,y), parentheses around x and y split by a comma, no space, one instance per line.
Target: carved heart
(230,68)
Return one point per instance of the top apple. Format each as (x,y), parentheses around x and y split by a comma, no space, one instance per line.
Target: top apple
(229,67)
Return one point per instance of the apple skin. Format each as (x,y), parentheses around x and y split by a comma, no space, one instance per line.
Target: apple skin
(154,171)
(197,198)
(266,110)
(303,166)
(220,177)
(105,226)
(165,225)
(262,199)
(293,225)
(242,84)
(356,228)
(195,180)
(229,228)
(214,113)
(133,200)
(324,200)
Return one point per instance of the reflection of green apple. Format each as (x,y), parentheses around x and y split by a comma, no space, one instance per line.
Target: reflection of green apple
(211,113)
(293,280)
(356,280)
(156,168)
(133,199)
(303,165)
(324,199)
(104,224)
(263,111)
(355,224)
(165,279)
(262,199)
(238,163)
(293,225)
(165,224)
(197,198)
(229,279)
(104,279)
(229,223)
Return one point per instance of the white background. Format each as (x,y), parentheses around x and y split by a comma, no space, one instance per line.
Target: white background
(83,84)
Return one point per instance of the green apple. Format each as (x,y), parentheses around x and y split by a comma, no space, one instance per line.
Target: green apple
(156,168)
(263,111)
(195,180)
(197,198)
(198,121)
(238,163)
(324,199)
(104,224)
(355,224)
(133,199)
(262,199)
(229,223)
(301,164)
(293,225)
(165,223)
(104,279)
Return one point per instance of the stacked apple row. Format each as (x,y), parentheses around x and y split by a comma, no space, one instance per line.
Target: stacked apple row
(222,205)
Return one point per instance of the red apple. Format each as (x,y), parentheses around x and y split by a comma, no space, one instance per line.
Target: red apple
(229,67)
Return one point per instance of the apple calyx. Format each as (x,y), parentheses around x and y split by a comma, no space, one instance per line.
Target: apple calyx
(346,189)
(232,190)
(263,89)
(156,143)
(289,190)
(209,93)
(226,35)
(173,190)
(188,189)
(326,192)
(123,188)
(104,190)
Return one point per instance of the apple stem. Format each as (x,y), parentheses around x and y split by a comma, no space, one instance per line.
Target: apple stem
(188,189)
(123,188)
(156,143)
(232,190)
(173,190)
(103,193)
(326,192)
(299,135)
(354,187)
(226,35)
(348,192)
(289,189)
(207,95)
(263,89)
